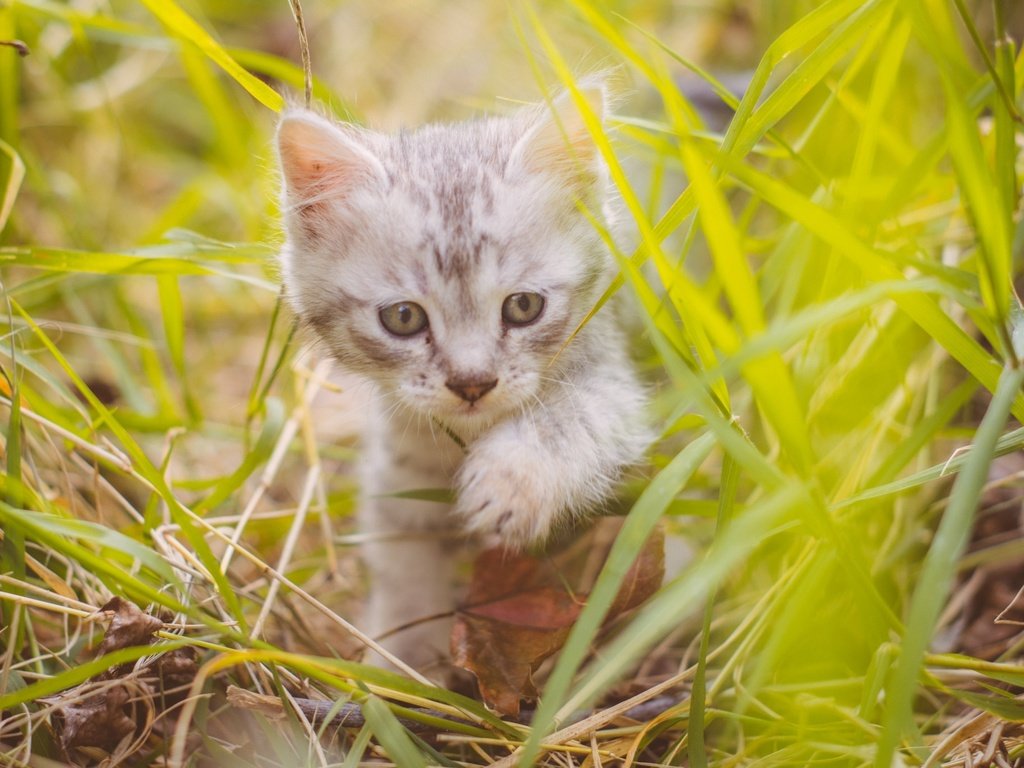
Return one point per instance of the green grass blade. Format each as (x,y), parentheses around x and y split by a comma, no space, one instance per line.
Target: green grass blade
(1008,443)
(923,433)
(281,69)
(185,28)
(939,566)
(698,691)
(354,758)
(173,313)
(882,88)
(788,330)
(12,547)
(10,77)
(849,22)
(62,535)
(273,424)
(146,470)
(875,266)
(768,376)
(390,733)
(1002,76)
(744,131)
(145,263)
(671,277)
(84,20)
(81,672)
(688,592)
(638,526)
(1007,116)
(991,214)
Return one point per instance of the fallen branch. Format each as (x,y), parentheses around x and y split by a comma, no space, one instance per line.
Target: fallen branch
(349,714)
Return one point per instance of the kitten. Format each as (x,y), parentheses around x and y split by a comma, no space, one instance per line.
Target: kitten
(448,266)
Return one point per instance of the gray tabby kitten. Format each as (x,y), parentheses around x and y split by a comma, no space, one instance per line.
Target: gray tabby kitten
(449,266)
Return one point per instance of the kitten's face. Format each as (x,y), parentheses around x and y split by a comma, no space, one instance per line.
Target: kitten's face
(449,265)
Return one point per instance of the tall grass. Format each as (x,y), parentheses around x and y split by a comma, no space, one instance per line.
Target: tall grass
(826,294)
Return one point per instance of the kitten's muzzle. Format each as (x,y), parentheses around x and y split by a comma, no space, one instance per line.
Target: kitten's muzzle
(471,390)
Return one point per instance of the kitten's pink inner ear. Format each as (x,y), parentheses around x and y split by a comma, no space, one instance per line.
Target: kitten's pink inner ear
(318,158)
(562,141)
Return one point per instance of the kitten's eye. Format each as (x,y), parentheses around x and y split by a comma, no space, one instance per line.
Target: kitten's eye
(522,308)
(404,318)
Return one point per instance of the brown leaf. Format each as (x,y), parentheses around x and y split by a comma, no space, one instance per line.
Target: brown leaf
(120,702)
(644,576)
(520,609)
(100,720)
(503,657)
(129,626)
(177,669)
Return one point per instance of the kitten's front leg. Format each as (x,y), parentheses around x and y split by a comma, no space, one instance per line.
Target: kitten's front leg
(410,569)
(548,465)
(409,545)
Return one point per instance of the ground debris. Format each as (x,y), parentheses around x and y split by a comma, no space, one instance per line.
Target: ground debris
(987,620)
(520,609)
(992,614)
(110,716)
(129,626)
(101,718)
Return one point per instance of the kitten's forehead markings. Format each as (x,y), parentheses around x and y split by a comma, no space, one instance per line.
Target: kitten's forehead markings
(419,277)
(456,253)
(438,258)
(486,193)
(418,194)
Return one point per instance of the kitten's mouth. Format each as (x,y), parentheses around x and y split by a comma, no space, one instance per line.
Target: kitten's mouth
(483,408)
(471,409)
(467,420)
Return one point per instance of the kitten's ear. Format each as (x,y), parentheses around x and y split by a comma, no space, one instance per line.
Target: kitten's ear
(560,141)
(320,159)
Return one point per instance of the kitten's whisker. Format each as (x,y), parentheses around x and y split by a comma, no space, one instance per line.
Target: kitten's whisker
(565,383)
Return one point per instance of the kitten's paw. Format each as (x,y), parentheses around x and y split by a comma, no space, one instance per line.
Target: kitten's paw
(505,489)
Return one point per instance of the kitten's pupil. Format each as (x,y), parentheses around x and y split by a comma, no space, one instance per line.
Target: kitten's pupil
(404,314)
(524,302)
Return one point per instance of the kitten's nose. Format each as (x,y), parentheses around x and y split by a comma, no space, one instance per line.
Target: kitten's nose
(471,390)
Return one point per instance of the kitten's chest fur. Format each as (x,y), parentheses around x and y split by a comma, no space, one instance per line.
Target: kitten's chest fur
(405,452)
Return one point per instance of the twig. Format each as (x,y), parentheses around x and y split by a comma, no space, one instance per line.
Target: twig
(18,45)
(349,714)
(307,66)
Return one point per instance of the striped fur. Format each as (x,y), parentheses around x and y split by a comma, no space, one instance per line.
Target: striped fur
(456,218)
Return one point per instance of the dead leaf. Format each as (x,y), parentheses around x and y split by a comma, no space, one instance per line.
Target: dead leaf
(100,720)
(177,669)
(520,609)
(120,703)
(644,576)
(129,626)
